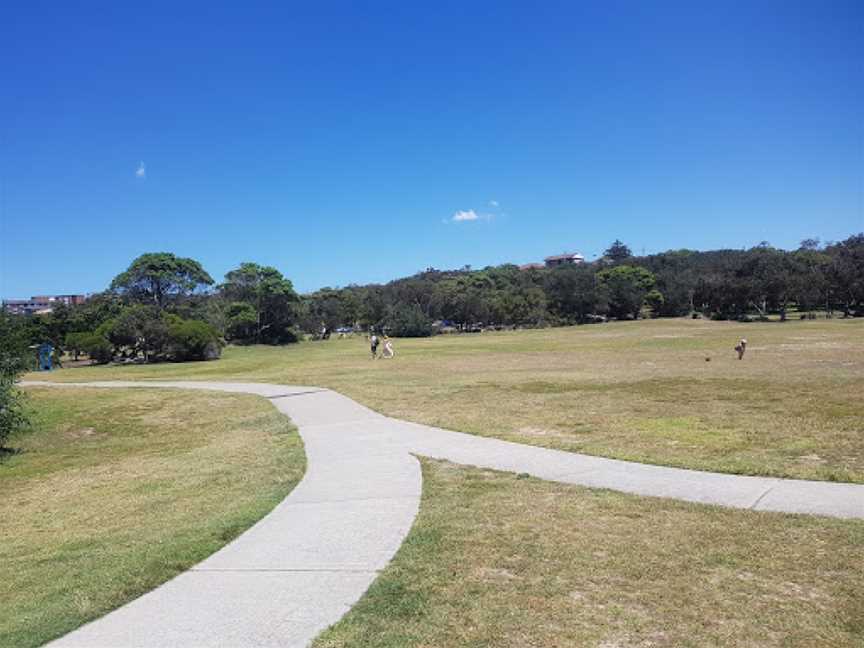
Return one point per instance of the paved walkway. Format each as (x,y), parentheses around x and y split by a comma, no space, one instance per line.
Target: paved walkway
(304,565)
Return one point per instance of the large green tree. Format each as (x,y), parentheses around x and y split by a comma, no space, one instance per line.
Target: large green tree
(160,277)
(846,272)
(676,281)
(628,286)
(465,297)
(812,289)
(408,320)
(617,252)
(332,307)
(768,274)
(575,293)
(269,298)
(139,329)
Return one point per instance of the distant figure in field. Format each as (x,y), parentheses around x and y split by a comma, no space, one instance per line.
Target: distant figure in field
(741,347)
(388,348)
(373,345)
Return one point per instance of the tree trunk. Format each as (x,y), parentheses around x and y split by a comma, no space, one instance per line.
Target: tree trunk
(157,293)
(760,310)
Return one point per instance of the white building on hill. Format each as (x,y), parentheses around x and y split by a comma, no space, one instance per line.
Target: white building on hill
(568,258)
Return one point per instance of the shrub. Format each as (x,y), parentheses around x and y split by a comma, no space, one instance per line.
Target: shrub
(15,358)
(99,349)
(163,337)
(291,335)
(12,414)
(192,340)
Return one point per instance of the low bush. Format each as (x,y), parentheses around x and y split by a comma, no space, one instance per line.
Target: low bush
(97,348)
(192,340)
(140,331)
(15,359)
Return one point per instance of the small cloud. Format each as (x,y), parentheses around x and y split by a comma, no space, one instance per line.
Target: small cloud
(494,203)
(141,171)
(467,215)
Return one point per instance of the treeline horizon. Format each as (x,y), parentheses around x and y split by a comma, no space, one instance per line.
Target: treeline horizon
(165,307)
(722,284)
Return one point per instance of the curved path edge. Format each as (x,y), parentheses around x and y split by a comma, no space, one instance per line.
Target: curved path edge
(302,566)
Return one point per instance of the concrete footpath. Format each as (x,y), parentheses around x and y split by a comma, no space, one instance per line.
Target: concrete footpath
(303,566)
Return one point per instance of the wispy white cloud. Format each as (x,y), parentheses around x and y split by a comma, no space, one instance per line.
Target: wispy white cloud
(466,215)
(469,216)
(141,171)
(494,203)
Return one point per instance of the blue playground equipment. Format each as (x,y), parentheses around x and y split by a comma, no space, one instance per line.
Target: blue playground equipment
(45,351)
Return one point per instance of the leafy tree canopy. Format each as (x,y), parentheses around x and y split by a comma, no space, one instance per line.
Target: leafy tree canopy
(628,287)
(157,277)
(271,298)
(617,252)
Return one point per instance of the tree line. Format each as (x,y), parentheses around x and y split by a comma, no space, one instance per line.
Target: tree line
(168,308)
(721,284)
(164,307)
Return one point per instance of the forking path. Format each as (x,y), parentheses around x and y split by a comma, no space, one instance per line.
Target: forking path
(302,566)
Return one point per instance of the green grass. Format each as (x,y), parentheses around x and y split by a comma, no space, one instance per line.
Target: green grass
(117,491)
(631,390)
(494,559)
(499,561)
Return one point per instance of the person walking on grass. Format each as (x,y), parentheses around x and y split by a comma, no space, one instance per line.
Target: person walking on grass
(741,347)
(373,345)
(388,348)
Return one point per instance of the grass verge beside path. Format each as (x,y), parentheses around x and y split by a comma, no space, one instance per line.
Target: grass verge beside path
(502,562)
(641,391)
(117,491)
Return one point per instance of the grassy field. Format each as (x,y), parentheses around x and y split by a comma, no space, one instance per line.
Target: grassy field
(632,390)
(116,491)
(502,562)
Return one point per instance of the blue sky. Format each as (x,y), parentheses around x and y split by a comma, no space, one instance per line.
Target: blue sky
(338,141)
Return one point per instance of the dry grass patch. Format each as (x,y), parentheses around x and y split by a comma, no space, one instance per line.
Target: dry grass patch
(116,491)
(630,390)
(499,561)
